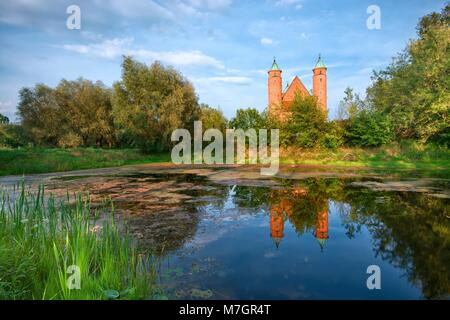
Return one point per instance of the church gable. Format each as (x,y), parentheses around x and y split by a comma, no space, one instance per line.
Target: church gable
(295,87)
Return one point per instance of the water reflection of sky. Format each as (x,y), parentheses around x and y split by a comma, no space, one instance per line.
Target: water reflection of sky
(264,251)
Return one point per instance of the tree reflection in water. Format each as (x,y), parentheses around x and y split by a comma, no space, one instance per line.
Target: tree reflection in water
(409,230)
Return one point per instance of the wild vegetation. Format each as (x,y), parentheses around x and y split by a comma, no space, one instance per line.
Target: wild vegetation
(407,104)
(41,160)
(41,238)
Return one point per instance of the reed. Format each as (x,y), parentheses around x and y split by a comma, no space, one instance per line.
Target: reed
(41,237)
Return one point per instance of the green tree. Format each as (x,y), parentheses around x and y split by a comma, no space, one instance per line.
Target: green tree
(72,114)
(368,129)
(40,114)
(150,102)
(334,135)
(12,135)
(306,125)
(350,105)
(413,89)
(3,119)
(86,116)
(212,118)
(249,118)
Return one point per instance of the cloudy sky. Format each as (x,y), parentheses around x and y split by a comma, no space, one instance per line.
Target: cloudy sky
(223,47)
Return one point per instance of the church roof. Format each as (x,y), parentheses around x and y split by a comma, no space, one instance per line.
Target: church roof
(295,85)
(274,65)
(319,63)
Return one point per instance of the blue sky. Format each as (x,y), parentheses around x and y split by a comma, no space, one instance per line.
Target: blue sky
(224,47)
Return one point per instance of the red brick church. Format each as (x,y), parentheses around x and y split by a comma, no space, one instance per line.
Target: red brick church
(278,97)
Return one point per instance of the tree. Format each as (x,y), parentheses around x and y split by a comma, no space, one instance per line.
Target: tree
(368,129)
(249,118)
(306,125)
(212,118)
(86,115)
(350,105)
(150,102)
(413,89)
(40,114)
(3,119)
(72,114)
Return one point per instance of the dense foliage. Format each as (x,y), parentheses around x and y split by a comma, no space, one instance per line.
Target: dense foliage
(413,91)
(212,118)
(150,102)
(75,113)
(249,118)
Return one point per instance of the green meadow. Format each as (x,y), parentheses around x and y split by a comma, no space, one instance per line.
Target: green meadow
(43,160)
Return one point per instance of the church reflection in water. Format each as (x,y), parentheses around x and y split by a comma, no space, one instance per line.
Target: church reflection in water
(301,211)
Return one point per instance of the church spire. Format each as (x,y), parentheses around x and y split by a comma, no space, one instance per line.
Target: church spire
(274,65)
(319,63)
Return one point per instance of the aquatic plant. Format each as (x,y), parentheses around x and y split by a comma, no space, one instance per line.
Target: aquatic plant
(64,249)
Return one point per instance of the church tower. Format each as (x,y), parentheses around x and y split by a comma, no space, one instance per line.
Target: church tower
(275,86)
(320,83)
(321,233)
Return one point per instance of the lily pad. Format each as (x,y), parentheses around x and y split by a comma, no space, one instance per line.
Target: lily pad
(202,294)
(160,296)
(111,294)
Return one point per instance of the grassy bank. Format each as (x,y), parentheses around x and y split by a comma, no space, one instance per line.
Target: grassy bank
(411,156)
(41,160)
(40,240)
(395,156)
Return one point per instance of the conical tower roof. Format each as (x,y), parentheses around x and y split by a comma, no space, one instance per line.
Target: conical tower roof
(319,63)
(274,65)
(322,243)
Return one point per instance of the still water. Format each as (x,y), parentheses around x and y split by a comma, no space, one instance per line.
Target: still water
(307,239)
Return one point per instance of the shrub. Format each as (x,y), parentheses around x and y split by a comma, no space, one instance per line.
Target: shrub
(334,135)
(70,140)
(368,129)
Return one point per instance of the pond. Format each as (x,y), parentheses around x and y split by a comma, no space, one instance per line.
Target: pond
(312,239)
(309,238)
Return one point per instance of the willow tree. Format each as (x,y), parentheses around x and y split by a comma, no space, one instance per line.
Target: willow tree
(150,102)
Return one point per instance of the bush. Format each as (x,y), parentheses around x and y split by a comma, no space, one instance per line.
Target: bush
(70,140)
(368,129)
(12,135)
(334,135)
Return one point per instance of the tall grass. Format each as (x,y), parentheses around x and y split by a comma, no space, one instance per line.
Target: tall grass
(40,239)
(42,160)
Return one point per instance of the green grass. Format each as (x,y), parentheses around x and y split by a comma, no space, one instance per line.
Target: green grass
(42,160)
(39,240)
(410,156)
(404,156)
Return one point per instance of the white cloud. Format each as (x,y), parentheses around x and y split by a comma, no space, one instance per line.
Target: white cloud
(224,79)
(267,41)
(213,5)
(114,14)
(114,48)
(287,3)
(139,8)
